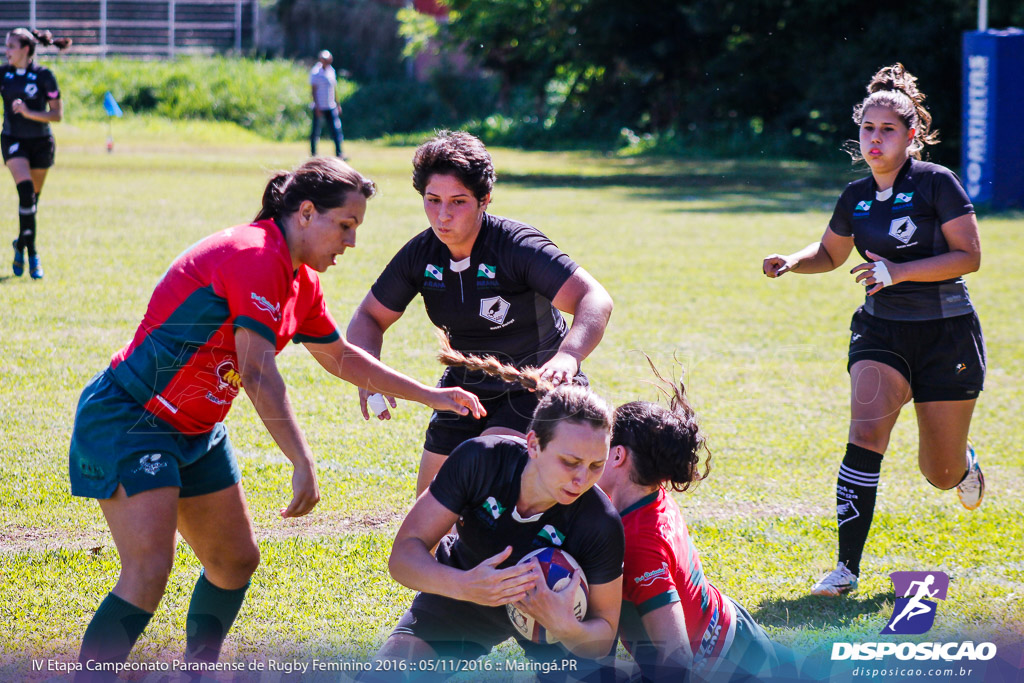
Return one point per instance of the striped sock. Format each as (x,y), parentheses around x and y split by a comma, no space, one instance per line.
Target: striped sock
(856,488)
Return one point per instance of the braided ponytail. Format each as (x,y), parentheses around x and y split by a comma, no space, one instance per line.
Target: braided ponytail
(32,38)
(895,88)
(564,403)
(528,377)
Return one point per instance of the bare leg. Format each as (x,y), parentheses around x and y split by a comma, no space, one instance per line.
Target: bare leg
(942,434)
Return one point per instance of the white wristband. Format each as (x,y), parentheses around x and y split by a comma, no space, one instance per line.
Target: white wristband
(377,404)
(881,274)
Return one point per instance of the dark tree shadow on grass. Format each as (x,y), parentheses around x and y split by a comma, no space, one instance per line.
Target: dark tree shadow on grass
(818,612)
(730,186)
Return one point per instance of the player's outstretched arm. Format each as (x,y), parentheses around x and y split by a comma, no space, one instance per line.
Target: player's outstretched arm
(413,565)
(366,330)
(355,365)
(590,305)
(591,638)
(818,257)
(266,389)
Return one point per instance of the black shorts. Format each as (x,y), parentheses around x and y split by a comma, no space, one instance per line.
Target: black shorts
(510,407)
(461,631)
(942,360)
(39,151)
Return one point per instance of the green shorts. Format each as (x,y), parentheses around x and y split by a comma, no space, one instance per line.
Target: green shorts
(117,441)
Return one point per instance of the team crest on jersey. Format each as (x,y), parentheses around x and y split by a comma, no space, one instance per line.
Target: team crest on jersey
(433,272)
(31,89)
(264,305)
(489,272)
(902,229)
(862,209)
(494,309)
(228,377)
(151,464)
(549,535)
(493,507)
(903,200)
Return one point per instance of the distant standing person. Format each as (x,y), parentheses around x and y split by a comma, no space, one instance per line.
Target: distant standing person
(31,102)
(917,335)
(323,82)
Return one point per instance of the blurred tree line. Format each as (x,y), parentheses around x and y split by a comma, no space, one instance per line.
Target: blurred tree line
(751,77)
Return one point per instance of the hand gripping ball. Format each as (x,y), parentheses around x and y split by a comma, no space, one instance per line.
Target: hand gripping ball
(558,567)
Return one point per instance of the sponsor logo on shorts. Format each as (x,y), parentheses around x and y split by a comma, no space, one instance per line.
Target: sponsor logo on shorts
(150,464)
(960,367)
(14,147)
(648,578)
(494,309)
(264,305)
(902,229)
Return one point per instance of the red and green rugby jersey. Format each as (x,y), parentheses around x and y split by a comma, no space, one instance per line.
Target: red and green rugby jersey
(662,566)
(181,365)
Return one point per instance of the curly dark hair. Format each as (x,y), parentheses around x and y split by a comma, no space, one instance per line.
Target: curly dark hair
(665,444)
(454,153)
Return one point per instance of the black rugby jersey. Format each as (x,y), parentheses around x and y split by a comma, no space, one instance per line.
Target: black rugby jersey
(35,86)
(906,227)
(499,303)
(480,482)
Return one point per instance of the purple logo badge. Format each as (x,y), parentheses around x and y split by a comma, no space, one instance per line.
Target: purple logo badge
(914,612)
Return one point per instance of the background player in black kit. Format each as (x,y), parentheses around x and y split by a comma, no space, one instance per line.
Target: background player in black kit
(508,497)
(31,102)
(917,335)
(494,285)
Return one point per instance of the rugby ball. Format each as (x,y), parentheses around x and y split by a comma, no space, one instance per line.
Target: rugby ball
(558,567)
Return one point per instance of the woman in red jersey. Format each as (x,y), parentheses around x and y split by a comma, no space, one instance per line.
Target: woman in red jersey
(149,442)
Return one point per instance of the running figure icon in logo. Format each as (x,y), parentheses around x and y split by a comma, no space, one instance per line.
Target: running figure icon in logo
(914,608)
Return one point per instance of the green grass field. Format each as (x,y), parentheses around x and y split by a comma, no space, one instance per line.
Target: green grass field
(679,246)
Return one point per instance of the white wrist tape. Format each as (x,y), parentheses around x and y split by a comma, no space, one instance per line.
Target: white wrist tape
(376,403)
(881,274)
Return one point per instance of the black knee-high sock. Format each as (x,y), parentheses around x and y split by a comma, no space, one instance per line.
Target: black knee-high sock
(111,635)
(27,217)
(856,488)
(211,612)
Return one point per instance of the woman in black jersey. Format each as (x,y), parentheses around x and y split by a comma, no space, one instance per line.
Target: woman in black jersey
(917,335)
(31,102)
(496,286)
(507,497)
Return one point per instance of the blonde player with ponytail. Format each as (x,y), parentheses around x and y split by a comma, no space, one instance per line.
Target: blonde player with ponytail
(508,496)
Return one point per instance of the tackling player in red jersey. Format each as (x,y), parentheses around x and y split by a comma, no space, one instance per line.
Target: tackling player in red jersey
(148,440)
